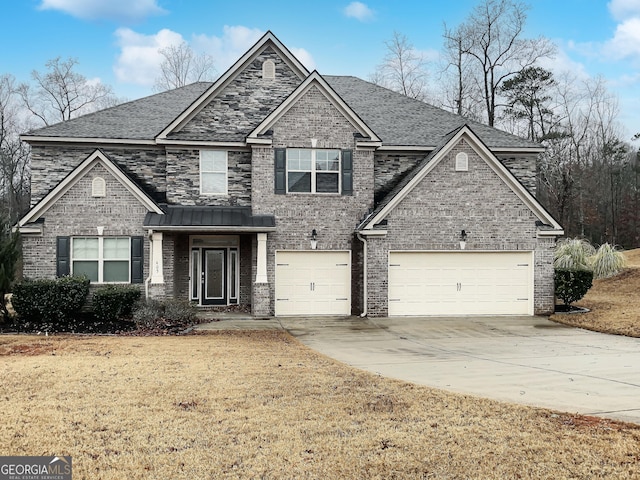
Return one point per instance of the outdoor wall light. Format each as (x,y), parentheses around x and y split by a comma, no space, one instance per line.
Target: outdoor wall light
(314,239)
(463,240)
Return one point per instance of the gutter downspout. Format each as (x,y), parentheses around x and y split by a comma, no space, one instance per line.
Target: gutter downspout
(364,274)
(148,279)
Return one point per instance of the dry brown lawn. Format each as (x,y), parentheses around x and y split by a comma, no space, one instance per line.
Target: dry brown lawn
(614,302)
(261,405)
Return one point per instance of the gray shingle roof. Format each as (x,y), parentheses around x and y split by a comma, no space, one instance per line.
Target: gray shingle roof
(395,118)
(141,119)
(400,120)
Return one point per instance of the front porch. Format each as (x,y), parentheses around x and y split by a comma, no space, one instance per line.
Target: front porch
(214,257)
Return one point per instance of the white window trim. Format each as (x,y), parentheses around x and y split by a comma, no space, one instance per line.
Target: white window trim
(226,174)
(101,258)
(314,172)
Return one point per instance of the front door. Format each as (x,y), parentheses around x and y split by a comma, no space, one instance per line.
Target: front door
(214,267)
(214,276)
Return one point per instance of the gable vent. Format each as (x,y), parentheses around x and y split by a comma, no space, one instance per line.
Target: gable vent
(462,162)
(268,70)
(98,187)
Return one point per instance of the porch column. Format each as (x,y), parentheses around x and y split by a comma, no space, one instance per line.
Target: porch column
(261,274)
(157,275)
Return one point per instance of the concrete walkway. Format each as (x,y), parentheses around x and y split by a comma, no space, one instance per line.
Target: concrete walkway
(527,360)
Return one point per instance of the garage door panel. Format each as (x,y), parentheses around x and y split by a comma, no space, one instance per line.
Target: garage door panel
(313,283)
(460,283)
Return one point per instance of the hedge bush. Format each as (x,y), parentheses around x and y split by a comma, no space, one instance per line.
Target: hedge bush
(50,305)
(572,285)
(114,302)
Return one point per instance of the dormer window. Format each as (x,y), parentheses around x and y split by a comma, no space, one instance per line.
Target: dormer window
(268,70)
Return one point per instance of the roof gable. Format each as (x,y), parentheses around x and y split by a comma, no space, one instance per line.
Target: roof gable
(314,80)
(413,178)
(268,41)
(76,174)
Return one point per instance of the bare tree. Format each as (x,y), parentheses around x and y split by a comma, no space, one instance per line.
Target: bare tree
(181,66)
(461,89)
(60,93)
(492,37)
(14,154)
(403,68)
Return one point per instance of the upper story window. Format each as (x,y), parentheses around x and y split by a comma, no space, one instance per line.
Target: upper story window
(213,172)
(101,259)
(313,171)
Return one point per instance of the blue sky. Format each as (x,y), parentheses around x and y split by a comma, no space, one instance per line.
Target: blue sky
(116,41)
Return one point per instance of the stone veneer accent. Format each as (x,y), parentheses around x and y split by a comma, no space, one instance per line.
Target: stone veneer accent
(333,216)
(77,213)
(243,103)
(51,163)
(183,179)
(446,202)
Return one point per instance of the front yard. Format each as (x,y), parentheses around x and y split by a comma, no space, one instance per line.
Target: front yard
(260,405)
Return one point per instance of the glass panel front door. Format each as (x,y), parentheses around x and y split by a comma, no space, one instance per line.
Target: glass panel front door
(214,277)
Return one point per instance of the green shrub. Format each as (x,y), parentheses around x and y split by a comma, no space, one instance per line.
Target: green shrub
(607,261)
(114,302)
(50,305)
(572,285)
(166,316)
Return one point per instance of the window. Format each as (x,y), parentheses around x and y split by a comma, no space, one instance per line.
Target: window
(313,171)
(101,259)
(213,172)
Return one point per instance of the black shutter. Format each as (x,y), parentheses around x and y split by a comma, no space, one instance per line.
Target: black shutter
(137,253)
(280,171)
(347,172)
(63,252)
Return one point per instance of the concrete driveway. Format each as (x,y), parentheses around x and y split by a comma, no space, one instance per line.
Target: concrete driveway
(527,360)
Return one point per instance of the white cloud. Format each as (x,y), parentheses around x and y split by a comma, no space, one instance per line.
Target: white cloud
(117,10)
(234,43)
(228,48)
(561,64)
(139,60)
(305,58)
(359,11)
(626,40)
(623,9)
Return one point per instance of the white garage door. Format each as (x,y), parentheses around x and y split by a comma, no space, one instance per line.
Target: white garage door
(460,283)
(313,283)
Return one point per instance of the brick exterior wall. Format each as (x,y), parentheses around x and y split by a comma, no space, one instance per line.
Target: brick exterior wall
(183,179)
(50,164)
(244,102)
(78,213)
(446,202)
(391,167)
(334,216)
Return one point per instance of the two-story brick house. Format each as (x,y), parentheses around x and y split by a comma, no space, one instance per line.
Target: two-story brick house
(296,194)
